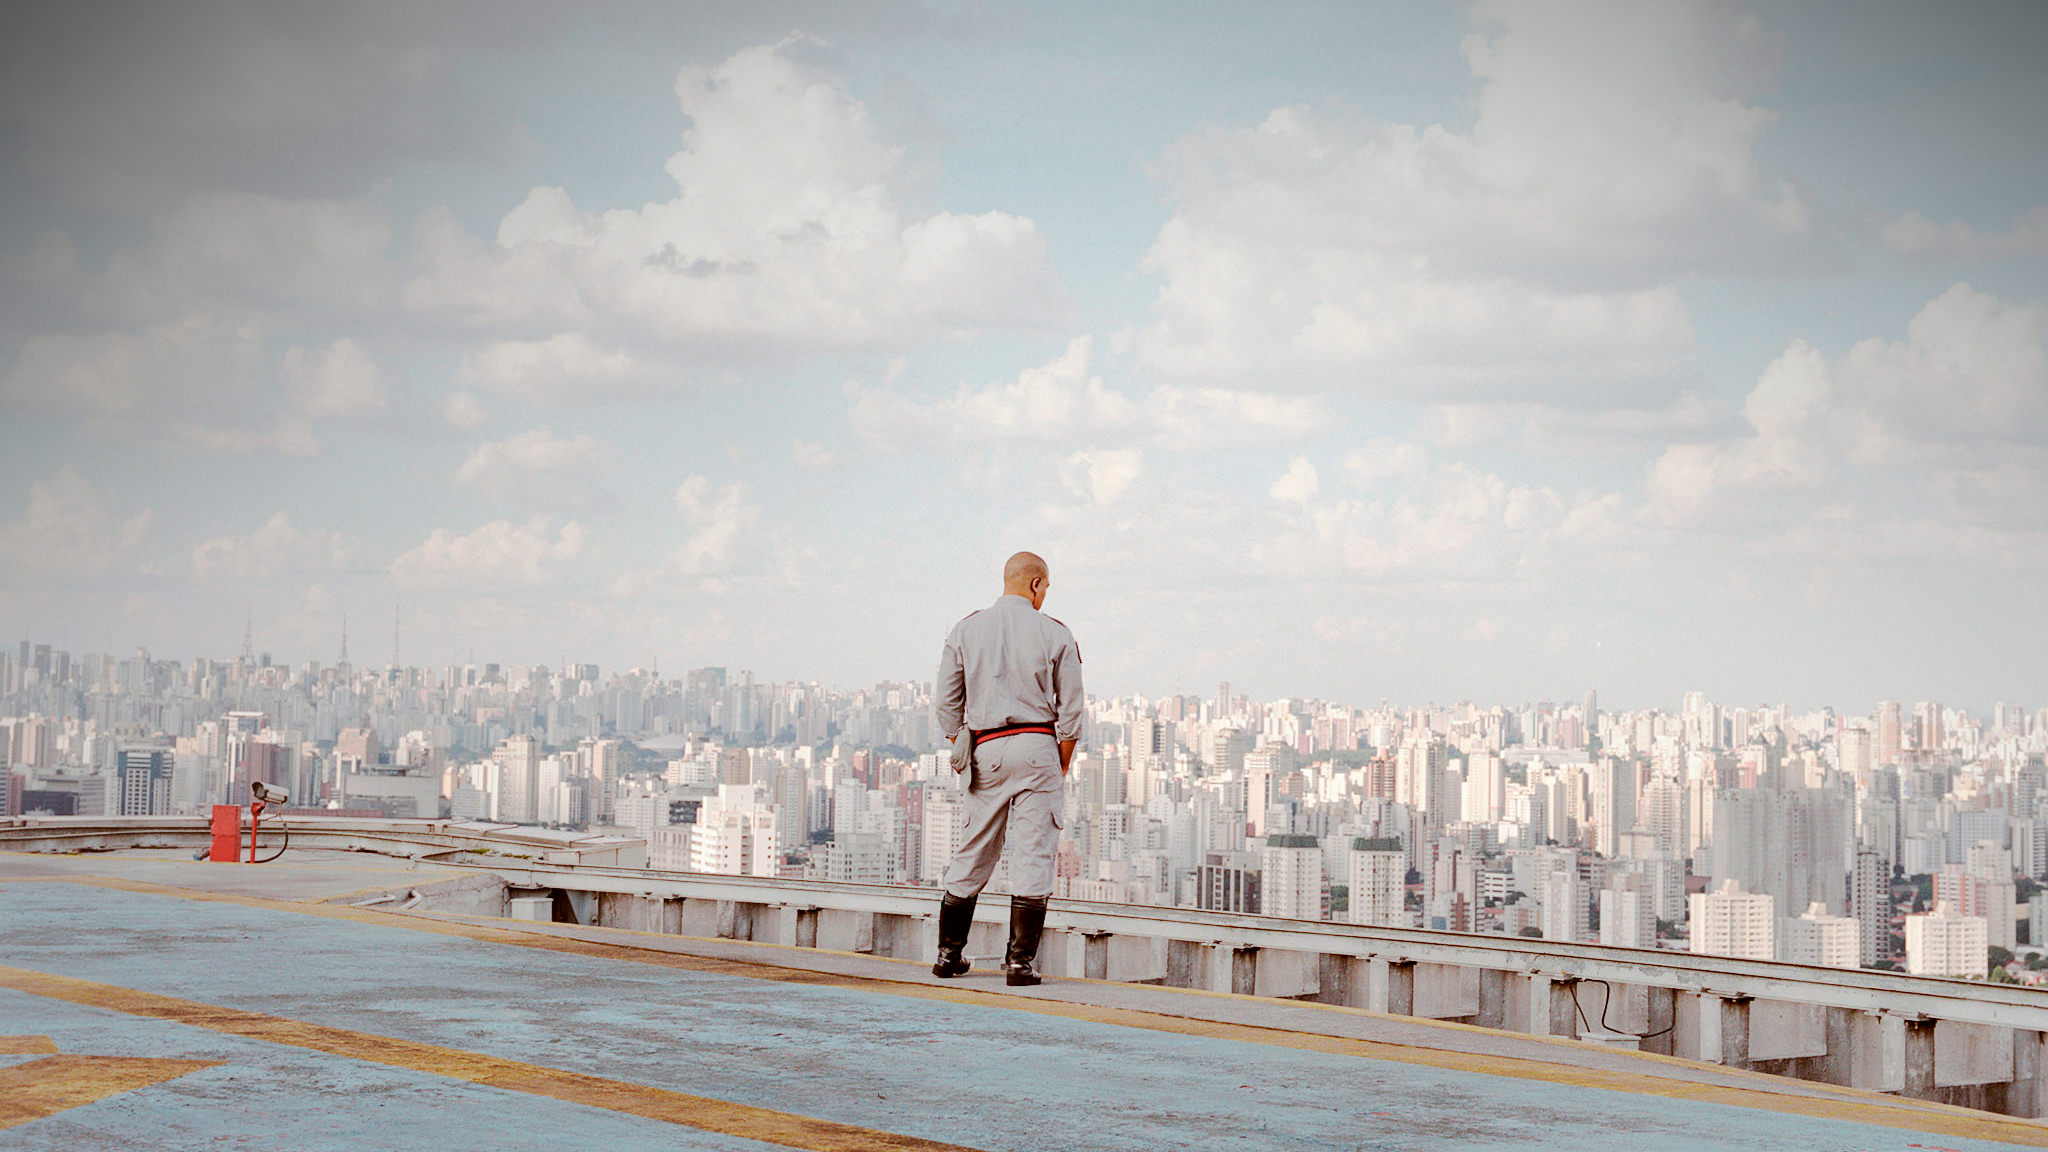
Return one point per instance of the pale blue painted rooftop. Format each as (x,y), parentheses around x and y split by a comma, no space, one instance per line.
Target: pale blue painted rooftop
(981,1075)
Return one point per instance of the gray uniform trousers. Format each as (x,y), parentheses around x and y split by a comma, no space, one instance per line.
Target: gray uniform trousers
(1018,795)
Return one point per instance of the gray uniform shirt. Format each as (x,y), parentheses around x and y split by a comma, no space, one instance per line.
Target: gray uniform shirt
(1010,664)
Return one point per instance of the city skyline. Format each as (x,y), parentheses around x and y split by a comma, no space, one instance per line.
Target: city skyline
(1887,715)
(1467,352)
(1918,831)
(369,665)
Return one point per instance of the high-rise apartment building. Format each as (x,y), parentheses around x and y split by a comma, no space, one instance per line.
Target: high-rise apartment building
(1484,796)
(1730,922)
(1614,802)
(945,823)
(1945,942)
(1628,914)
(736,835)
(1814,937)
(1975,892)
(1567,915)
(1379,882)
(1291,877)
(1855,753)
(518,760)
(1929,734)
(1420,779)
(1870,901)
(1228,882)
(1792,845)
(1890,733)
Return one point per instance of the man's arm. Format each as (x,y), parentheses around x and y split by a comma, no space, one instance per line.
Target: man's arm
(1072,701)
(950,689)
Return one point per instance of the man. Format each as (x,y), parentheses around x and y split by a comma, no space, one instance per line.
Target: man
(1012,676)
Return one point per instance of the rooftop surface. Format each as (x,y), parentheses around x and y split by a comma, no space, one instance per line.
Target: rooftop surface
(148,1000)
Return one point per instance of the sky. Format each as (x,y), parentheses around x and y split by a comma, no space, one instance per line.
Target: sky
(1364,352)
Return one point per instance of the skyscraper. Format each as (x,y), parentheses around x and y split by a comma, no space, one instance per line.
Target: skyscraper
(1890,733)
(1614,802)
(1419,777)
(1379,882)
(145,780)
(1566,912)
(1291,877)
(518,760)
(1870,901)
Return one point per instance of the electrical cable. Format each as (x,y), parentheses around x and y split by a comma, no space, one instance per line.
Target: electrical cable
(287,829)
(1606,1003)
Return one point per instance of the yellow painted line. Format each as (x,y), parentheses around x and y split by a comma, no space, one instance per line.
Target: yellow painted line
(54,1084)
(1834,1102)
(700,1112)
(27,1046)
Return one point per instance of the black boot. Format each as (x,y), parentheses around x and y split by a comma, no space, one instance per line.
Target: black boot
(956,918)
(1027,921)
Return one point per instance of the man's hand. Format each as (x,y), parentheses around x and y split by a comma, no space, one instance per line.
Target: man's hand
(1066,754)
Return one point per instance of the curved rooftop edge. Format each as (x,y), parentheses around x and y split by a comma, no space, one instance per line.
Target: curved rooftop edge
(1957,1042)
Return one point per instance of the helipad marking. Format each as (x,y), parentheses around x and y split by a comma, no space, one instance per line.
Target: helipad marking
(73,1086)
(56,1084)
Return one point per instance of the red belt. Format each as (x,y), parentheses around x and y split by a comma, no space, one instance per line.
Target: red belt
(1010,730)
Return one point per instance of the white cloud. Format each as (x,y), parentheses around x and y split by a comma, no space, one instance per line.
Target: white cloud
(273,547)
(1914,235)
(290,436)
(177,330)
(70,531)
(1611,155)
(535,464)
(1962,400)
(813,457)
(1383,459)
(1449,522)
(1065,402)
(242,250)
(1567,432)
(790,229)
(462,410)
(120,373)
(718,519)
(497,555)
(1297,485)
(560,367)
(1104,474)
(338,380)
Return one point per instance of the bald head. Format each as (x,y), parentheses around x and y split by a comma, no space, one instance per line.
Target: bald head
(1025,575)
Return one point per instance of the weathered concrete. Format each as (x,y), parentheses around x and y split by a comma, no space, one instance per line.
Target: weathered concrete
(1827,1026)
(1284,974)
(813,1050)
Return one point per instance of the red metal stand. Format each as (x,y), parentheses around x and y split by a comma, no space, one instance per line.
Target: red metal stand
(255,814)
(227,834)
